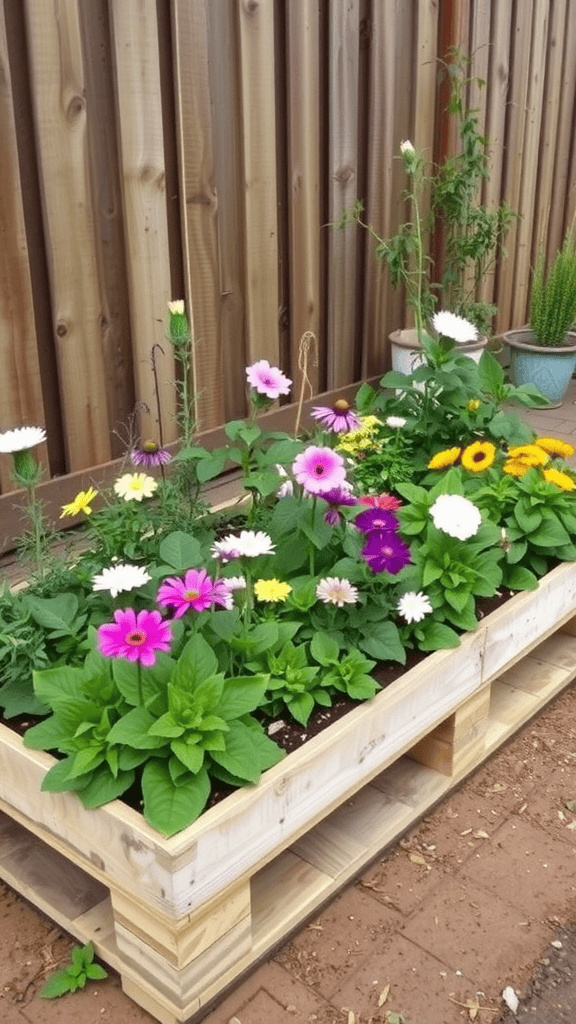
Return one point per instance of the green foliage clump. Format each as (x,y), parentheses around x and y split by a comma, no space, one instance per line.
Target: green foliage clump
(553,301)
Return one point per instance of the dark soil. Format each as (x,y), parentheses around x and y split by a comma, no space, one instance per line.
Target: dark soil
(550,997)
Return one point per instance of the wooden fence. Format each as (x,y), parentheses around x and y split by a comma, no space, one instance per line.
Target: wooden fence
(154,149)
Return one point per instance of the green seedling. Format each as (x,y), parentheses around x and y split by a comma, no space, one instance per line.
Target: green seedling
(75,974)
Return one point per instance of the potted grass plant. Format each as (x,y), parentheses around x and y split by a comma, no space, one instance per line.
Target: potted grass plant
(544,353)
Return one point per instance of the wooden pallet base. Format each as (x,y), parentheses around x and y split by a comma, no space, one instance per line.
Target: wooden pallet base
(160,964)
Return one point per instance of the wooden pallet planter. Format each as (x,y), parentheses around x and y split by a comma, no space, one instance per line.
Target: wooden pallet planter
(182,918)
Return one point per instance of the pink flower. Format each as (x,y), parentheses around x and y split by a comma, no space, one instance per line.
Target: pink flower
(267,380)
(197,590)
(150,454)
(319,469)
(381,501)
(338,417)
(136,637)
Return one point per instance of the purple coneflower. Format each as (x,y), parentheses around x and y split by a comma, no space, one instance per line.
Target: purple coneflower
(136,637)
(382,519)
(267,380)
(150,454)
(196,590)
(335,497)
(319,469)
(385,550)
(338,417)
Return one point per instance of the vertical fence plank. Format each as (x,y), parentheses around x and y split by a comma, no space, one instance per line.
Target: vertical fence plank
(139,113)
(107,212)
(389,124)
(564,135)
(304,178)
(524,237)
(342,188)
(496,105)
(198,206)
(520,37)
(256,36)
(61,130)
(20,388)
(549,128)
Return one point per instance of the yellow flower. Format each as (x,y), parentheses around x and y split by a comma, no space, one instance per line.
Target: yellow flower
(554,476)
(478,456)
(443,459)
(81,503)
(473,405)
(554,447)
(515,468)
(362,438)
(135,486)
(271,590)
(529,454)
(176,307)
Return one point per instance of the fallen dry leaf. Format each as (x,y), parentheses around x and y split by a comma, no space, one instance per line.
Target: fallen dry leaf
(498,787)
(351,1017)
(466,832)
(315,928)
(480,834)
(473,1007)
(383,995)
(570,805)
(417,858)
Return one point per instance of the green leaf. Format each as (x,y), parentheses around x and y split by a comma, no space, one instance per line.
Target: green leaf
(395,379)
(58,984)
(550,534)
(169,807)
(430,572)
(191,755)
(301,707)
(490,373)
(104,786)
(383,643)
(57,778)
(240,695)
(180,550)
(438,636)
(196,663)
(95,972)
(46,735)
(54,612)
(133,730)
(241,755)
(527,520)
(324,649)
(52,685)
(152,680)
(516,577)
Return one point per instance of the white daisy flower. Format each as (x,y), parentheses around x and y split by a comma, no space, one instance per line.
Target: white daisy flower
(332,590)
(455,327)
(286,490)
(120,577)
(396,422)
(135,486)
(456,516)
(21,439)
(253,543)
(235,582)
(406,146)
(414,606)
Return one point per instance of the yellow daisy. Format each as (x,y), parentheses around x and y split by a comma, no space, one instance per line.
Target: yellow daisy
(478,456)
(554,476)
(271,590)
(514,467)
(473,405)
(81,503)
(443,459)
(554,447)
(135,486)
(530,454)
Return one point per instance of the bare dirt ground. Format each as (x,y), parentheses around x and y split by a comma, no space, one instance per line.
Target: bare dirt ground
(479,896)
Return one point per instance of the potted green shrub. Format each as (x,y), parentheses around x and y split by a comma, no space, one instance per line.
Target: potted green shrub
(544,353)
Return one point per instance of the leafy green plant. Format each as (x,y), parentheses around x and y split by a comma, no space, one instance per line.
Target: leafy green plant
(74,975)
(553,299)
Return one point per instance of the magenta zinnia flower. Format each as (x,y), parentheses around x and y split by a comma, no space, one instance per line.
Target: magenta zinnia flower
(338,417)
(267,380)
(381,501)
(197,590)
(135,637)
(335,497)
(150,454)
(382,519)
(319,469)
(385,550)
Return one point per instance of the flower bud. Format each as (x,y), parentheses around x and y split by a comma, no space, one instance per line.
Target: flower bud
(177,322)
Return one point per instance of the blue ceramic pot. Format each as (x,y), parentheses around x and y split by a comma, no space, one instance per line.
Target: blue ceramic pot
(548,369)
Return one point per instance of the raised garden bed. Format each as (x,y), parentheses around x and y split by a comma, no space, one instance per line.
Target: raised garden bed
(182,918)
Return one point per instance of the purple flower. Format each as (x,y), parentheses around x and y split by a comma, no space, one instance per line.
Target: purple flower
(267,380)
(338,417)
(335,497)
(135,637)
(381,519)
(150,454)
(196,590)
(385,550)
(319,469)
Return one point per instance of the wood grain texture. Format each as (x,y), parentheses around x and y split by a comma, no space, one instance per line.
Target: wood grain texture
(304,141)
(563,183)
(343,293)
(141,148)
(199,207)
(57,73)
(21,401)
(256,42)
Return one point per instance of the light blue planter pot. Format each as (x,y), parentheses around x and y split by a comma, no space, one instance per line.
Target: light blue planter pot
(548,369)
